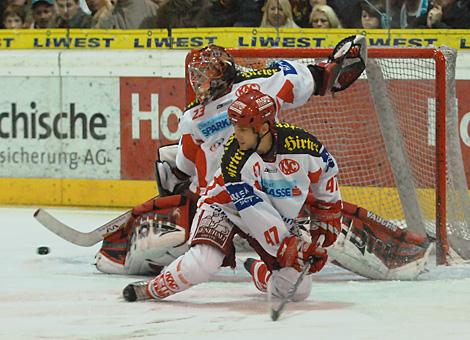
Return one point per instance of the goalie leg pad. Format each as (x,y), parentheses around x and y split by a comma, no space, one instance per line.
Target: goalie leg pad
(111,257)
(170,180)
(376,248)
(158,238)
(347,255)
(106,265)
(154,244)
(152,239)
(383,226)
(158,203)
(167,153)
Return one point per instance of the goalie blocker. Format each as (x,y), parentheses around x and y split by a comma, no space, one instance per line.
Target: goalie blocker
(170,180)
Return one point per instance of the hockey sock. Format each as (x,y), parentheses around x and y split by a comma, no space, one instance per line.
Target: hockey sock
(259,272)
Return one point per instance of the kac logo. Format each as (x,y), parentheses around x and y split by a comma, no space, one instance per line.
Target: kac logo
(246,88)
(289,166)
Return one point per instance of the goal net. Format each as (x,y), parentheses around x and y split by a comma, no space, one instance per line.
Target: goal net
(394,135)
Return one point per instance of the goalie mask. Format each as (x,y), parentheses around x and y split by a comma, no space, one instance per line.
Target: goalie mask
(253,109)
(211,72)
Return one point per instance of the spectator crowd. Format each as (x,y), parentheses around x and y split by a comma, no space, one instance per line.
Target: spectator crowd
(147,14)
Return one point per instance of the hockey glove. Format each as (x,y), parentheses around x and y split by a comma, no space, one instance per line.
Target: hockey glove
(296,253)
(344,66)
(170,180)
(325,219)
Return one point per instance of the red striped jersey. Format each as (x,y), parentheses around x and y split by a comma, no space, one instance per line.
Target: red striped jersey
(259,195)
(206,128)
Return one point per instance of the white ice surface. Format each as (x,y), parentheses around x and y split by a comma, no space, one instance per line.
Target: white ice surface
(62,296)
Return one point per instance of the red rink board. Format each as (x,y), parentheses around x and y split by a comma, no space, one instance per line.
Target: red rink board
(138,155)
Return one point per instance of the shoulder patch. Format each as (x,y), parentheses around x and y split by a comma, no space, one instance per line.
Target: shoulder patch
(292,139)
(233,160)
(242,195)
(286,67)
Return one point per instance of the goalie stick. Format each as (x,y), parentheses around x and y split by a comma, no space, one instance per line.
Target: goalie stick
(84,239)
(93,237)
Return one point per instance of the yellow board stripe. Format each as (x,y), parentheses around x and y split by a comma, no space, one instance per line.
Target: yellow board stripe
(247,37)
(75,192)
(386,201)
(125,194)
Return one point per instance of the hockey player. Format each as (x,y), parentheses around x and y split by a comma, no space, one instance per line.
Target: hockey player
(266,173)
(205,130)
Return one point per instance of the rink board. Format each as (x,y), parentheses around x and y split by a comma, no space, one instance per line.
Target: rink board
(81,128)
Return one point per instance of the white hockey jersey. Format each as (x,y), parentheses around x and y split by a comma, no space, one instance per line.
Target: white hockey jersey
(263,198)
(206,128)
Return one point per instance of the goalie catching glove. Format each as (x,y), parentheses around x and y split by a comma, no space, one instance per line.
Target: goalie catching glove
(296,253)
(344,66)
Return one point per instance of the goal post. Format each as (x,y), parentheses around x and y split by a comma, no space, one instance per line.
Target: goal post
(392,135)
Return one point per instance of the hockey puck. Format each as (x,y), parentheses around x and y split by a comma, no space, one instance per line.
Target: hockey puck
(43,250)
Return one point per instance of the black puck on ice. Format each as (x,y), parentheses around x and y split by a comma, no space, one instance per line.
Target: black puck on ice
(43,250)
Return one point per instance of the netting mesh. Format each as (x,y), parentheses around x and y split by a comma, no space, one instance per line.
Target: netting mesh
(458,201)
(381,131)
(347,123)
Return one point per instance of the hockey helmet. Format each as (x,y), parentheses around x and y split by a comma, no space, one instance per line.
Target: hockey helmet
(253,108)
(211,72)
